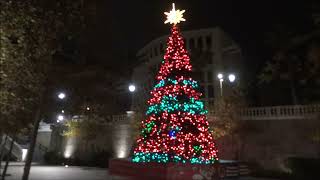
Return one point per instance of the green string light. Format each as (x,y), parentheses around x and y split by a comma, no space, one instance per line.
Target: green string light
(150,157)
(171,104)
(148,128)
(170,81)
(164,158)
(197,149)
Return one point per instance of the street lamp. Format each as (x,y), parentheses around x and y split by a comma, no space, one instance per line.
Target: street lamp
(61,95)
(231,78)
(220,77)
(132,88)
(60,117)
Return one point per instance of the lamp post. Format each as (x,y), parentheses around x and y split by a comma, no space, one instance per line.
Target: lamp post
(61,95)
(60,118)
(231,78)
(220,77)
(132,88)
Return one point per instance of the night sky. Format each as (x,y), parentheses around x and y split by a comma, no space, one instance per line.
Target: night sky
(116,30)
(135,23)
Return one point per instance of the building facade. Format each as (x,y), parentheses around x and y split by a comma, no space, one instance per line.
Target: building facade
(212,51)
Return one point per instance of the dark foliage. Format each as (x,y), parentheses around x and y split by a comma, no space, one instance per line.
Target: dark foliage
(304,168)
(53,158)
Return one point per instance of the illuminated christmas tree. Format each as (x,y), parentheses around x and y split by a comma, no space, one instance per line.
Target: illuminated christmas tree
(176,128)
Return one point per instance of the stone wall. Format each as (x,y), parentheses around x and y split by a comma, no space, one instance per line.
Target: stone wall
(270,143)
(114,138)
(267,142)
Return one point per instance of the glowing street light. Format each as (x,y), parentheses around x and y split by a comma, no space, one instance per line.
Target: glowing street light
(60,117)
(61,95)
(232,77)
(132,88)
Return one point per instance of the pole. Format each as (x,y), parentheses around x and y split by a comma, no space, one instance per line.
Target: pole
(2,149)
(221,91)
(29,157)
(8,159)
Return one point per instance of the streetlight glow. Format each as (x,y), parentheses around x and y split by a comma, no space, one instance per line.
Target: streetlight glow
(60,117)
(220,76)
(132,88)
(232,77)
(61,95)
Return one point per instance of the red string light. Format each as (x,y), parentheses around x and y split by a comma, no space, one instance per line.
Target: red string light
(181,134)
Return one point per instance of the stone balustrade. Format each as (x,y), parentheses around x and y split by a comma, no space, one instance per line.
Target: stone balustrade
(281,112)
(291,112)
(120,118)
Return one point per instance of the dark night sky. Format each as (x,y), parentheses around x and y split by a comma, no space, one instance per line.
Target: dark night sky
(139,21)
(125,26)
(119,28)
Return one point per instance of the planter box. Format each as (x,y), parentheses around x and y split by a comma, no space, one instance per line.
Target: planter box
(126,169)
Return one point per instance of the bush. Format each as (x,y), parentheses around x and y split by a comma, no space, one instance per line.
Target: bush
(270,174)
(258,171)
(53,158)
(97,159)
(304,168)
(100,159)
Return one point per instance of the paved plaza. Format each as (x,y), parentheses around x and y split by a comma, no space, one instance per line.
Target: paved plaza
(40,172)
(58,173)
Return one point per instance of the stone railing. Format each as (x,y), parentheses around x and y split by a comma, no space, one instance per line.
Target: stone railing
(118,118)
(262,113)
(281,112)
(123,117)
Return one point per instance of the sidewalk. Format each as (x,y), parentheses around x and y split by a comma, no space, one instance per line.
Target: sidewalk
(18,163)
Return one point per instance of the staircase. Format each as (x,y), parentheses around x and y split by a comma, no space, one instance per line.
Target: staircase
(21,144)
(19,151)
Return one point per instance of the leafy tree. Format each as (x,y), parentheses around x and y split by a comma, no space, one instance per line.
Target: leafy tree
(72,129)
(30,35)
(294,63)
(23,58)
(225,112)
(225,121)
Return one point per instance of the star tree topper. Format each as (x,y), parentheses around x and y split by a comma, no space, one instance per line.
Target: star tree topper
(174,16)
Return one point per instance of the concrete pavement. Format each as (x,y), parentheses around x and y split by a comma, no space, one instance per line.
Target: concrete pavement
(41,172)
(58,173)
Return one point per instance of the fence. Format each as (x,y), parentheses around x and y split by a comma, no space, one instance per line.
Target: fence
(263,113)
(280,112)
